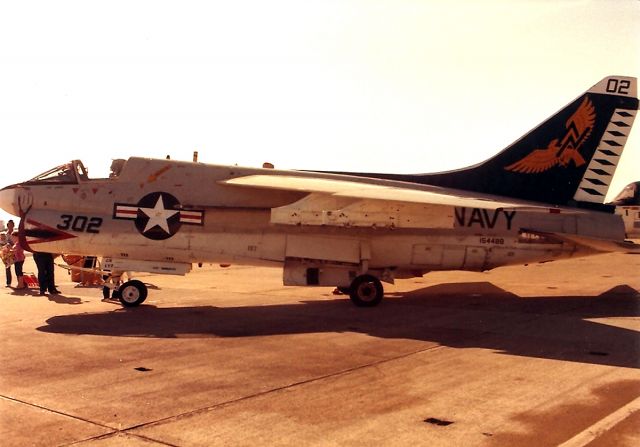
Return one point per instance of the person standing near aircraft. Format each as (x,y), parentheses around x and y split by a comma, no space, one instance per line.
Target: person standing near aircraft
(44,262)
(9,245)
(7,256)
(18,256)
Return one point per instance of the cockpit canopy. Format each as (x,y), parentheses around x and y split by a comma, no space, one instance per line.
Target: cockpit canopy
(629,196)
(68,173)
(73,173)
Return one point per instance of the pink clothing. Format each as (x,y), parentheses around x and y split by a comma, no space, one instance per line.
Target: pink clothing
(18,252)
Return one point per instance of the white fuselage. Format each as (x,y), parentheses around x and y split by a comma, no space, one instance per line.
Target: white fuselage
(219,223)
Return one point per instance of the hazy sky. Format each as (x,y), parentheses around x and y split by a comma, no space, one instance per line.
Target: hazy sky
(362,85)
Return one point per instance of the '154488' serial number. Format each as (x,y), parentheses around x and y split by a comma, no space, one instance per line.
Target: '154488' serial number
(492,240)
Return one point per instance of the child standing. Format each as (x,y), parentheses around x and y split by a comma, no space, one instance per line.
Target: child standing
(18,258)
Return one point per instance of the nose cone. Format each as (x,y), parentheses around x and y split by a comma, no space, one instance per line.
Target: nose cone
(8,200)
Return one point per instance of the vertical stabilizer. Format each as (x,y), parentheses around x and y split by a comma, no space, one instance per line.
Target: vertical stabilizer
(569,159)
(597,178)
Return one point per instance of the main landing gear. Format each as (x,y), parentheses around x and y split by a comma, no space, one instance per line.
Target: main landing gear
(365,291)
(130,294)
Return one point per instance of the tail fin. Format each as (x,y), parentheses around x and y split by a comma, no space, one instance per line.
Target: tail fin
(569,158)
(597,178)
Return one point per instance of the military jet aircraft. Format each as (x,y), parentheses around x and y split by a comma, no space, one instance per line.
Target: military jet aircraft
(627,204)
(539,200)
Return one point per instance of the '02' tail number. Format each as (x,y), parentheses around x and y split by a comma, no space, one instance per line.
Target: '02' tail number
(81,224)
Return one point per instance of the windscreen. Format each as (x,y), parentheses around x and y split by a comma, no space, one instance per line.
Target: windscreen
(61,174)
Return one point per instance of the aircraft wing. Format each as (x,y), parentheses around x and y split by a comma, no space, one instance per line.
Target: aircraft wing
(345,202)
(392,191)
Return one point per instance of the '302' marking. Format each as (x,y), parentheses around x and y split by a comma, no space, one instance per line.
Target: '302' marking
(82,224)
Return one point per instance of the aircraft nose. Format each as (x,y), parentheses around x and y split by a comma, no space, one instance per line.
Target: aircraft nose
(8,201)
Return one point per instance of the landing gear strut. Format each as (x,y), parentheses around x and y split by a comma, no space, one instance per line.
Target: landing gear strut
(366,291)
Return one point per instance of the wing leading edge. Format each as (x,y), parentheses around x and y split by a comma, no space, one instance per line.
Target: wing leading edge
(392,192)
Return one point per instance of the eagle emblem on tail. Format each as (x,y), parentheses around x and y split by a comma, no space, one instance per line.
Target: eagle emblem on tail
(561,152)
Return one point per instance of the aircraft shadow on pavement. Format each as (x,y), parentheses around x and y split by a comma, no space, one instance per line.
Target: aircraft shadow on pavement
(470,315)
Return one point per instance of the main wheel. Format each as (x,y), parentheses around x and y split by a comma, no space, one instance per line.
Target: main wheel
(366,291)
(132,293)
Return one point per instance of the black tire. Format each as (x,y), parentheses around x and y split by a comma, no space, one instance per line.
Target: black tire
(132,293)
(366,291)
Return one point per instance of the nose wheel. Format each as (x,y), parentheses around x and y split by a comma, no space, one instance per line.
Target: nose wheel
(366,291)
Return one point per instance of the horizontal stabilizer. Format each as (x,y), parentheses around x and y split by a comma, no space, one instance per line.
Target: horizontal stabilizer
(602,245)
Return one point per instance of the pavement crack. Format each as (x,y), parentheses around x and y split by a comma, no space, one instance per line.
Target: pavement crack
(121,432)
(60,413)
(281,388)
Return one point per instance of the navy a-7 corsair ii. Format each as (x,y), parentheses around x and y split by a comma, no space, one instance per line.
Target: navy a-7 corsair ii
(539,200)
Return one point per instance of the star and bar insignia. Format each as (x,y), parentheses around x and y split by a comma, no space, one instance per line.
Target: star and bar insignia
(158,215)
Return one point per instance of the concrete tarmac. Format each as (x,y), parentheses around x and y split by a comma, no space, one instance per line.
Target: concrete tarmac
(542,355)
